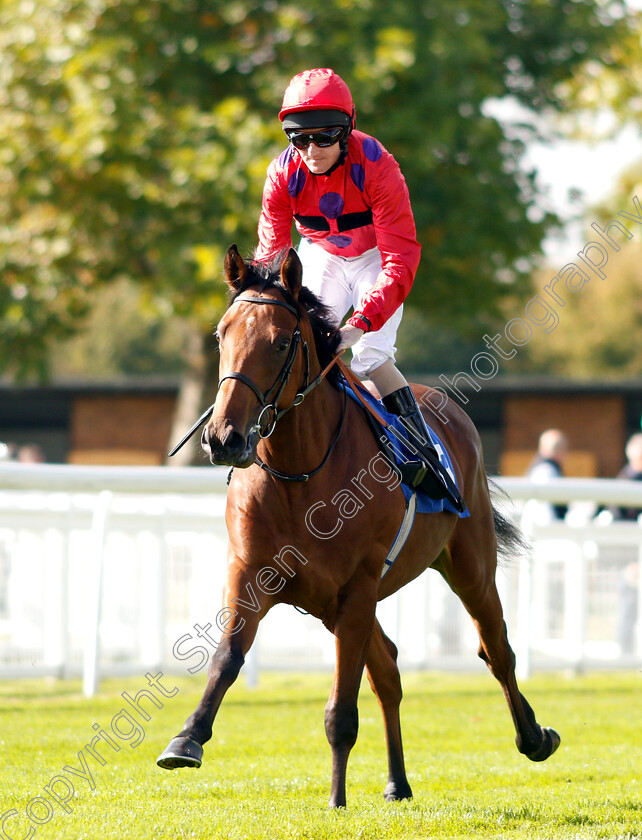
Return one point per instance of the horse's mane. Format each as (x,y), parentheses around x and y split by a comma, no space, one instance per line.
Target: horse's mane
(324,326)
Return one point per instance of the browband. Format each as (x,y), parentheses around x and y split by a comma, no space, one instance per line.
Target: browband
(275,301)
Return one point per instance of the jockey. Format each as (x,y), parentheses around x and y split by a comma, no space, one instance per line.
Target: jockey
(359,250)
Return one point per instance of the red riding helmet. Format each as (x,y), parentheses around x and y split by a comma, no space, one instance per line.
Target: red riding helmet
(315,99)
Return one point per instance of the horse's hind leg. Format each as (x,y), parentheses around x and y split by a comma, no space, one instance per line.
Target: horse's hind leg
(483,604)
(383,674)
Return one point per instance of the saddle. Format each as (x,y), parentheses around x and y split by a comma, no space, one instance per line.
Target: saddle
(399,445)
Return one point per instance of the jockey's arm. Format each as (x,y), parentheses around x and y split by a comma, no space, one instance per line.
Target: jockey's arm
(275,221)
(397,243)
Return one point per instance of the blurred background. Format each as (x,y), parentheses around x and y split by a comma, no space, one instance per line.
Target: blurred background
(134,141)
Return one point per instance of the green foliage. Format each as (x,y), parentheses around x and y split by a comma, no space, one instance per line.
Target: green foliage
(266,771)
(128,331)
(594,332)
(428,347)
(134,139)
(601,97)
(596,336)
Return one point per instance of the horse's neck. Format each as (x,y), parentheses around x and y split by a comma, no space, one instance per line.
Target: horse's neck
(303,436)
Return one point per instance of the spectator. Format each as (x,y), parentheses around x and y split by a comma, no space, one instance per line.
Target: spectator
(31,453)
(549,463)
(633,471)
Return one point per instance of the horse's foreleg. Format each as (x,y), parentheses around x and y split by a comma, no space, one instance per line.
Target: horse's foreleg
(352,629)
(383,674)
(186,749)
(534,741)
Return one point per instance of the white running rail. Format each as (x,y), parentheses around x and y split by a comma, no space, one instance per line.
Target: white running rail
(107,570)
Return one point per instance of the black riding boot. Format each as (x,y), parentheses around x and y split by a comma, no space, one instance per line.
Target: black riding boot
(427,472)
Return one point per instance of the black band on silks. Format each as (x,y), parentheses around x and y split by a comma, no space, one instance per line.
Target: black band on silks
(347,221)
(364,319)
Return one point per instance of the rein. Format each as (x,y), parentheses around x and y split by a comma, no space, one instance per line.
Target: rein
(270,404)
(306,476)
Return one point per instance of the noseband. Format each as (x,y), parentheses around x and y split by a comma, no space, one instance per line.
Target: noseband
(269,403)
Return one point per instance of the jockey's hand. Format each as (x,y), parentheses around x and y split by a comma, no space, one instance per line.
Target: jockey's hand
(349,336)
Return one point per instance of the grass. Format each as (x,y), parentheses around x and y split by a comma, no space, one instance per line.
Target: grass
(266,771)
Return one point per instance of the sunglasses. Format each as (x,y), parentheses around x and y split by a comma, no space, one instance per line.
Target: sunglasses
(323,139)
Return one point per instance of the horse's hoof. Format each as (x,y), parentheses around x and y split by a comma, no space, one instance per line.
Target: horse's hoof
(550,743)
(395,792)
(181,752)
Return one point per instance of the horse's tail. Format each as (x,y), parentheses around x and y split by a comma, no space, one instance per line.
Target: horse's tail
(511,540)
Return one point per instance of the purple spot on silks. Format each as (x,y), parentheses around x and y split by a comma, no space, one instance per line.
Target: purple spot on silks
(358,175)
(371,149)
(296,182)
(285,157)
(331,205)
(340,241)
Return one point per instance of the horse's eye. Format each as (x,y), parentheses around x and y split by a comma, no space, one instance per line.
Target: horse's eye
(283,345)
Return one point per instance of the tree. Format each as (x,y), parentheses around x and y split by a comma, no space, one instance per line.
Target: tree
(135,139)
(593,322)
(595,333)
(122,161)
(125,334)
(600,97)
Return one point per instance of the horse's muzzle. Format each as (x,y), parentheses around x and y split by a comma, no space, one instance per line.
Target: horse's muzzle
(233,451)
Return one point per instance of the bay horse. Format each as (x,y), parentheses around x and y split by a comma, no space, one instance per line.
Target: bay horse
(310,521)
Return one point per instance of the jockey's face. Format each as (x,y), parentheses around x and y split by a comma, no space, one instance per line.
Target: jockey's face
(318,159)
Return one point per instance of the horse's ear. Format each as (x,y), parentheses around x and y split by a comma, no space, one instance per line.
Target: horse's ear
(291,272)
(235,269)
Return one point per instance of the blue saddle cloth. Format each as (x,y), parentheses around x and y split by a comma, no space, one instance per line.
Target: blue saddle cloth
(403,453)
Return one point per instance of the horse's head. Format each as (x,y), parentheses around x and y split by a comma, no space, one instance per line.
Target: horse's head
(263,358)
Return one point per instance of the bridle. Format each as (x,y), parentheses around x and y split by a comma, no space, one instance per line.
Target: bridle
(268,402)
